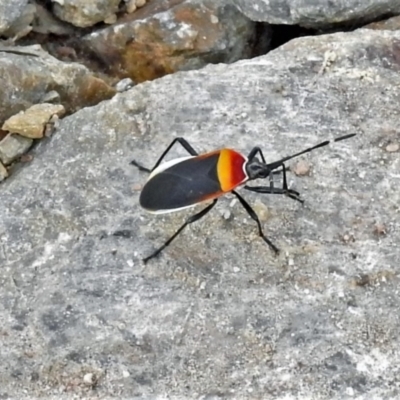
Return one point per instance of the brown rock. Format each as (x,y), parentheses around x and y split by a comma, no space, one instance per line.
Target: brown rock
(32,122)
(153,42)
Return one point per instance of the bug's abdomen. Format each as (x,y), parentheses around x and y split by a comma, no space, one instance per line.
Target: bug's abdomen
(182,185)
(193,180)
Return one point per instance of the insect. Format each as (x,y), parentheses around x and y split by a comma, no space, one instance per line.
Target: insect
(187,181)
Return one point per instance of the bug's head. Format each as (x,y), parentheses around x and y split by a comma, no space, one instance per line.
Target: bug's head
(256,169)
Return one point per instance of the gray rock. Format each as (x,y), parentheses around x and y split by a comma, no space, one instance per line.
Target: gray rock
(10,12)
(45,22)
(12,147)
(317,13)
(85,13)
(30,73)
(217,315)
(22,25)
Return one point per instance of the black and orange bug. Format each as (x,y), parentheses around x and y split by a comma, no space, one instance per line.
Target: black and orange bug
(187,181)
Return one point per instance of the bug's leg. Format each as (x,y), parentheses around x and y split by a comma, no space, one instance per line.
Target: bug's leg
(286,191)
(293,194)
(189,220)
(268,190)
(254,216)
(254,151)
(183,142)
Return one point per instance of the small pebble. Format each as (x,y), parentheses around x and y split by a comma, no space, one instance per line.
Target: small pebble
(380,229)
(3,172)
(227,215)
(111,19)
(25,158)
(348,237)
(51,97)
(301,168)
(131,6)
(51,126)
(125,373)
(392,147)
(261,210)
(214,19)
(124,84)
(89,379)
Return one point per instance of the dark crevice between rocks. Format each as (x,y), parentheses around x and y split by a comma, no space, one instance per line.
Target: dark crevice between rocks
(282,34)
(267,37)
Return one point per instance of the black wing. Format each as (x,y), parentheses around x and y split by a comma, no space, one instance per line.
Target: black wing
(183,184)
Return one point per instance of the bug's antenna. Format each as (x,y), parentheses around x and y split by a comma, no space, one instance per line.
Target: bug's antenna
(278,163)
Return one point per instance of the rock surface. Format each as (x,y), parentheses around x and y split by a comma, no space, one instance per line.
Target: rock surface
(12,147)
(10,12)
(390,24)
(319,13)
(3,172)
(46,23)
(217,315)
(185,35)
(29,74)
(32,122)
(84,13)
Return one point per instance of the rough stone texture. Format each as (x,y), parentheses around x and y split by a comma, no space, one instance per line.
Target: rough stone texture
(85,13)
(317,13)
(3,172)
(32,122)
(132,5)
(10,11)
(12,147)
(29,76)
(156,41)
(21,26)
(45,22)
(390,24)
(217,315)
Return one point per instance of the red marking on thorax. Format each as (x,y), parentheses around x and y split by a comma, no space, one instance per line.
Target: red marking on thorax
(230,169)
